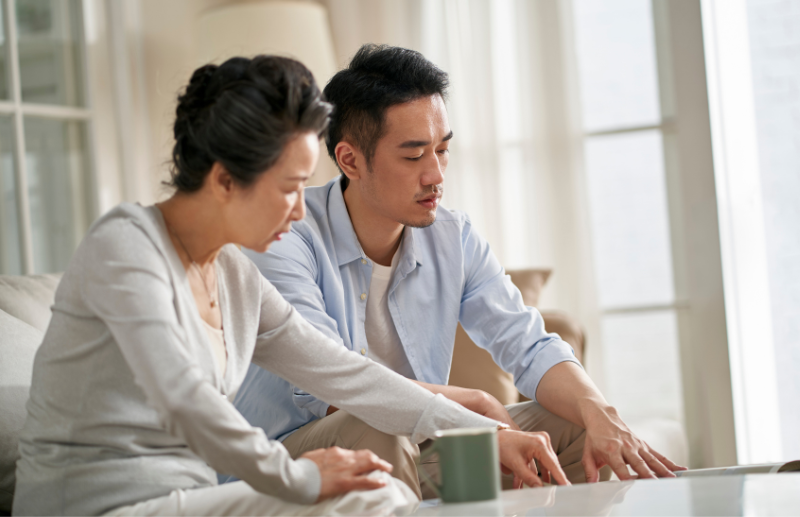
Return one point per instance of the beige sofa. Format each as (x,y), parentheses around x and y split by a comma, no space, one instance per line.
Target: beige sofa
(24,314)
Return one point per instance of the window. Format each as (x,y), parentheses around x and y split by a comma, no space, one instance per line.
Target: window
(624,168)
(45,168)
(751,48)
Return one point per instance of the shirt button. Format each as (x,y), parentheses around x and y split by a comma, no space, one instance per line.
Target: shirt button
(363,351)
(363,296)
(363,261)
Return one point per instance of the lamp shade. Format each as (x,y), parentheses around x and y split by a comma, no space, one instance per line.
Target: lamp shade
(293,28)
(297,29)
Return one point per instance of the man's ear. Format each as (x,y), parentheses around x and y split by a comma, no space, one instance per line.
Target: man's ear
(220,181)
(350,160)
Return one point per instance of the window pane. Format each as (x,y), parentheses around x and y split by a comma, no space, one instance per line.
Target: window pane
(641,362)
(774,33)
(616,63)
(10,250)
(4,76)
(50,64)
(57,164)
(628,211)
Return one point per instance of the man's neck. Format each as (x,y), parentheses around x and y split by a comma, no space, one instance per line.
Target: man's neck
(379,237)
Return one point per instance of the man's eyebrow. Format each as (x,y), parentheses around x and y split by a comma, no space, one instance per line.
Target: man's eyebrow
(411,144)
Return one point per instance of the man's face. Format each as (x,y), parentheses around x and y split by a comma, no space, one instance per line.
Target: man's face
(405,179)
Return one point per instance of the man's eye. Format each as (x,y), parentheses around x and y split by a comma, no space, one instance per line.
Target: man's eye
(444,151)
(414,158)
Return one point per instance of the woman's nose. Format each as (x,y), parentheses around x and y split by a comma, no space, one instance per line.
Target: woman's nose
(299,209)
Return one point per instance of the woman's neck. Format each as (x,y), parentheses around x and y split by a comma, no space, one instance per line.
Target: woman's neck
(195,227)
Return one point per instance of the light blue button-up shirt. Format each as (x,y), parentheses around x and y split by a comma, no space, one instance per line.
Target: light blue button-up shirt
(445,274)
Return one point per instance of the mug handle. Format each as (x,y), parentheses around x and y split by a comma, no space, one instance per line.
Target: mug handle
(424,475)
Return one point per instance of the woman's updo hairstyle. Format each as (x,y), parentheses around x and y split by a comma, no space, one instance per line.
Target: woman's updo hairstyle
(242,114)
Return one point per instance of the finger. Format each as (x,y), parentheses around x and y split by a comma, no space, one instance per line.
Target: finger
(546,476)
(517,482)
(549,462)
(619,467)
(590,467)
(367,461)
(666,461)
(364,483)
(524,472)
(655,465)
(638,464)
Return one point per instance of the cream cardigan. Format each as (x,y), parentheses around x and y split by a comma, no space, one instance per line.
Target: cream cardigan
(126,402)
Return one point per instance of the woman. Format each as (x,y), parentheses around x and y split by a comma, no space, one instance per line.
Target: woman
(158,316)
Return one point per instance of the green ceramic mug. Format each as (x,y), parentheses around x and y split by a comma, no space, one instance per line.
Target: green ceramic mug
(468,462)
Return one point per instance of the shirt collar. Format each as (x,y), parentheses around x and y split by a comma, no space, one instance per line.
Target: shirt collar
(345,241)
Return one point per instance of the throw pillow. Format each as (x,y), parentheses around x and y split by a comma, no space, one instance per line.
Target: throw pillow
(29,297)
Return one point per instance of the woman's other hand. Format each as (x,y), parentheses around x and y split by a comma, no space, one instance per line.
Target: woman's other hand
(342,470)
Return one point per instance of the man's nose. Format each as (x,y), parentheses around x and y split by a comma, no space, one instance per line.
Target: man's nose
(434,172)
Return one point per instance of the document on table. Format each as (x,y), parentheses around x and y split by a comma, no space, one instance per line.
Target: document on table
(765,468)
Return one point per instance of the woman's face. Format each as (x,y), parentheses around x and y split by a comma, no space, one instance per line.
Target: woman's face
(261,212)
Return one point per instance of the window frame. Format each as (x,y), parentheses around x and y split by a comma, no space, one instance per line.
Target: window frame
(19,109)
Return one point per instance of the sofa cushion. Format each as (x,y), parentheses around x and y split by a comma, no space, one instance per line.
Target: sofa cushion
(29,297)
(530,283)
(18,344)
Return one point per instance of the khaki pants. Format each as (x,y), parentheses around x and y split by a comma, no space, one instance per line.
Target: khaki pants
(348,432)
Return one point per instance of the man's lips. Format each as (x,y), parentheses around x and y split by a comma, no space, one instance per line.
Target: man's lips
(429,202)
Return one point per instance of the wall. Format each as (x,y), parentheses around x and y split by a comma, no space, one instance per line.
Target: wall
(170,47)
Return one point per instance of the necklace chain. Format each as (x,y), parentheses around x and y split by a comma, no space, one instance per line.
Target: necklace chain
(196,266)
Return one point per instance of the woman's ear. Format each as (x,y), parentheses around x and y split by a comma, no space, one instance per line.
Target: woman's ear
(220,181)
(350,160)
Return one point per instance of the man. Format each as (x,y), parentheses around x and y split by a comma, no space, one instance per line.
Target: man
(376,266)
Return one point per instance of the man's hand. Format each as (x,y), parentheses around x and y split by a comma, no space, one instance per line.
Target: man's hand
(342,470)
(475,400)
(610,442)
(566,391)
(490,407)
(518,451)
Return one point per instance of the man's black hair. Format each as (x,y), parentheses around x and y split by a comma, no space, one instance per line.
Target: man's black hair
(378,77)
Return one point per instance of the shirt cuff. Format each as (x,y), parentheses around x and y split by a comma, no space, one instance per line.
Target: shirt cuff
(554,352)
(312,481)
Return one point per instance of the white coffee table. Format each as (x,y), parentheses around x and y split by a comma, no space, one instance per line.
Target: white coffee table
(757,494)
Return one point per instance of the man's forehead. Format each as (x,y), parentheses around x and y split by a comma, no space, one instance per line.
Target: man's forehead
(422,119)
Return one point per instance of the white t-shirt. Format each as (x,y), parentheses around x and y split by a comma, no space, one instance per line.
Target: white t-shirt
(384,343)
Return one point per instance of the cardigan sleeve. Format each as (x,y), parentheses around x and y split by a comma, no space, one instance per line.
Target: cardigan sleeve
(126,283)
(293,349)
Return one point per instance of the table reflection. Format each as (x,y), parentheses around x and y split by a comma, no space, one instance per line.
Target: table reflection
(761,494)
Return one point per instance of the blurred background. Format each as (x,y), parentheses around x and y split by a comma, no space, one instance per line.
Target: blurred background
(647,151)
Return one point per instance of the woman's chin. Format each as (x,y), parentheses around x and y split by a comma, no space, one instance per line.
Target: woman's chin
(262,248)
